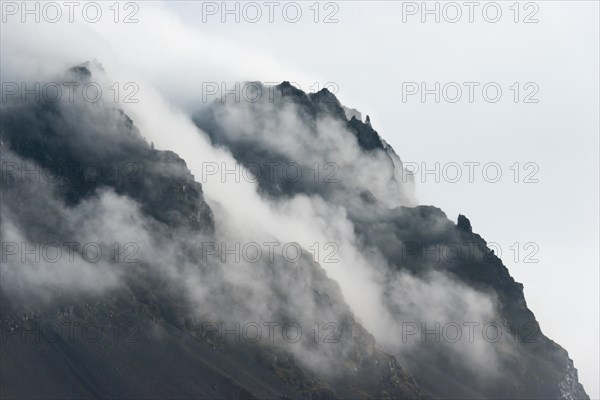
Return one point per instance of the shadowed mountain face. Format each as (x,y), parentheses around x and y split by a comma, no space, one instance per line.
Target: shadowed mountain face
(438,276)
(88,147)
(134,308)
(315,154)
(117,298)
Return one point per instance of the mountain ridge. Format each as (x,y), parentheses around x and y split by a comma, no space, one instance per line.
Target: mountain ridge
(166,210)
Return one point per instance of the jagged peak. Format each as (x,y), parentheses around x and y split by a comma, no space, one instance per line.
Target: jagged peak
(81,71)
(463,223)
(84,71)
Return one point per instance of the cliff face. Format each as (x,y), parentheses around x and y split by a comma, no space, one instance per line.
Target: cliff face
(283,130)
(420,247)
(147,314)
(151,316)
(536,366)
(88,146)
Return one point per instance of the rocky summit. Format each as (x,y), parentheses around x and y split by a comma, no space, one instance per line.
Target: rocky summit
(134,308)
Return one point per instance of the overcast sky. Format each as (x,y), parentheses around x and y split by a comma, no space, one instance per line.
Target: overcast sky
(376,56)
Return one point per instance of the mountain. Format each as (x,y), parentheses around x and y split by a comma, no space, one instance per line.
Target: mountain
(413,240)
(108,290)
(147,334)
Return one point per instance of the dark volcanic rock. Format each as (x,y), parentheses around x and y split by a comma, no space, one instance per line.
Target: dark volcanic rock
(86,147)
(404,236)
(143,337)
(336,176)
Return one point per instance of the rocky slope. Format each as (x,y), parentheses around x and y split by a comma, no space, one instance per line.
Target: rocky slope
(147,315)
(132,325)
(419,245)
